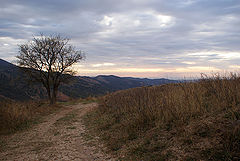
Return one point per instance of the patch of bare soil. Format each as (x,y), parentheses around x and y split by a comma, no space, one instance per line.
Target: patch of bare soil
(59,137)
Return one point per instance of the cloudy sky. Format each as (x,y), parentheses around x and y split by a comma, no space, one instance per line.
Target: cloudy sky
(140,38)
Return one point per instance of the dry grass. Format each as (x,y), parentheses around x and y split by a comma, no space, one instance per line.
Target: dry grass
(184,121)
(16,116)
(20,115)
(87,100)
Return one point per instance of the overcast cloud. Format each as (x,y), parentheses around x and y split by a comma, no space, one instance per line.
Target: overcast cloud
(143,38)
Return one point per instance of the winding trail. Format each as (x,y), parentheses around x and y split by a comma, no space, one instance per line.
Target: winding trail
(59,137)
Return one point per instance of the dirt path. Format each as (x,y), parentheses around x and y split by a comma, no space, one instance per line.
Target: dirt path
(58,137)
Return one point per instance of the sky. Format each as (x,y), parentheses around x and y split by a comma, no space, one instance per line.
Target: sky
(138,38)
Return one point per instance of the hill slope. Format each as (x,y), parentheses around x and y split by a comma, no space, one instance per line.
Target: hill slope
(14,84)
(5,65)
(183,121)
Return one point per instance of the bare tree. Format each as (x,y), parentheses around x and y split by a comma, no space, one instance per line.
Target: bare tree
(48,59)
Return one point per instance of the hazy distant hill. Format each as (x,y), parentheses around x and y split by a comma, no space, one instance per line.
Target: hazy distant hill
(14,84)
(152,82)
(86,86)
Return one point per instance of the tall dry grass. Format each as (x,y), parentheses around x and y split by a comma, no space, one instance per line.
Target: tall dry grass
(126,115)
(176,101)
(19,115)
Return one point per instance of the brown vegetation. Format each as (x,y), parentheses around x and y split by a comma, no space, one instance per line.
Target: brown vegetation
(185,121)
(20,115)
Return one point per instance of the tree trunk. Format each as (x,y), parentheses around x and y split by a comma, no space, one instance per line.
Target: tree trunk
(54,97)
(50,95)
(52,102)
(52,89)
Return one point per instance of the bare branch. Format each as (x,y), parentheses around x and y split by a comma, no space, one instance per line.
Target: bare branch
(51,56)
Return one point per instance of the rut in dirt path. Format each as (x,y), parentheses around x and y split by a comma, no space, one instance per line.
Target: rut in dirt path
(58,137)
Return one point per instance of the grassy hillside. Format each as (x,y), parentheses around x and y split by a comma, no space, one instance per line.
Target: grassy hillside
(184,121)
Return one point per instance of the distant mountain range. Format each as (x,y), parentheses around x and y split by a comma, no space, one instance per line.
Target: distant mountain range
(14,84)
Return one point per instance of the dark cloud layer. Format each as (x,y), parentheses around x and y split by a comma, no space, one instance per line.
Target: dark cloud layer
(178,36)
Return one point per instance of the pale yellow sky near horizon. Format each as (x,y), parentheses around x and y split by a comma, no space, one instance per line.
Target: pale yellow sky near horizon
(181,72)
